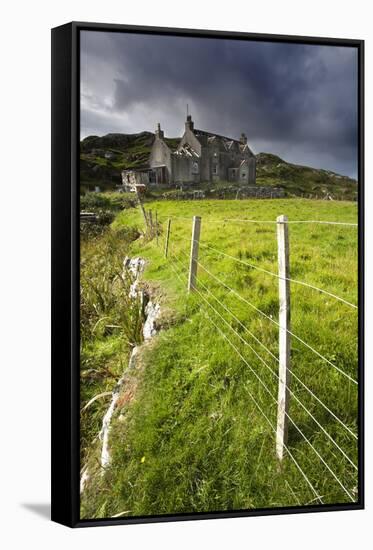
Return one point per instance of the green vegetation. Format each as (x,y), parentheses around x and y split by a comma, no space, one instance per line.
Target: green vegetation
(109,202)
(187,436)
(303,180)
(103,158)
(110,322)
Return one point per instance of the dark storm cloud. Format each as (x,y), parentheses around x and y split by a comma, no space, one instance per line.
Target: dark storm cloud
(297,101)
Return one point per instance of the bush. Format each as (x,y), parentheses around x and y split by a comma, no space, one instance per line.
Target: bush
(111,202)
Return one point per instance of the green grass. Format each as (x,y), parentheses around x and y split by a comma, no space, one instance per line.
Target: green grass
(110,321)
(303,180)
(192,439)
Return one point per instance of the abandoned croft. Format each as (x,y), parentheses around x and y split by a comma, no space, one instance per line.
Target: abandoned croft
(200,156)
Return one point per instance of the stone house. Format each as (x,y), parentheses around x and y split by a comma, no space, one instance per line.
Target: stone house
(200,156)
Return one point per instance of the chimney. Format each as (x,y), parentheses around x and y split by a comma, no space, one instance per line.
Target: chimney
(189,124)
(159,133)
(243,138)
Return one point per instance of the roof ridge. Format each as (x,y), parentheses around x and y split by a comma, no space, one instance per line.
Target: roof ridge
(211,134)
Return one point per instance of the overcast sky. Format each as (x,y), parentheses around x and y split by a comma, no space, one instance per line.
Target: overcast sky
(297,101)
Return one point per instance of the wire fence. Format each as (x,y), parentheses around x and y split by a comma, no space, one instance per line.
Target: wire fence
(338,428)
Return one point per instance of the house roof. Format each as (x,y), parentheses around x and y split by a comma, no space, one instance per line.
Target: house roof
(211,135)
(186,151)
(224,142)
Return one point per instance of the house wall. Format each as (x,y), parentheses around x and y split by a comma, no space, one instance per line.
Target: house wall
(190,138)
(226,160)
(212,157)
(161,155)
(252,170)
(180,169)
(205,164)
(185,170)
(243,173)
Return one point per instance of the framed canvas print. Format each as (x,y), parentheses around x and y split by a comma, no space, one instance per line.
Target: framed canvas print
(207,274)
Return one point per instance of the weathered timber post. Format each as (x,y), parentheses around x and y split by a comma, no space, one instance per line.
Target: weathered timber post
(151,221)
(156,226)
(167,237)
(141,206)
(196,231)
(284,336)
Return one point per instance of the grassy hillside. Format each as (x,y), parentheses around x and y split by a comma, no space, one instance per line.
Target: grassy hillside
(303,180)
(103,158)
(188,434)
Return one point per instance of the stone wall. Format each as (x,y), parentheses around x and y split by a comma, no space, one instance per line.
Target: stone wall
(161,156)
(229,192)
(130,179)
(185,170)
(190,138)
(261,192)
(213,155)
(252,170)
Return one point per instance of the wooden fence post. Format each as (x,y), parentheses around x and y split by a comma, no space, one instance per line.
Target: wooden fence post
(167,237)
(156,226)
(141,206)
(284,336)
(151,221)
(196,231)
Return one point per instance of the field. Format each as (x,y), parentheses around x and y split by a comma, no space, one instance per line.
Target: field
(193,431)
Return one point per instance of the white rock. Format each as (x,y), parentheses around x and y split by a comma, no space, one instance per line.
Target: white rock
(84,479)
(152,312)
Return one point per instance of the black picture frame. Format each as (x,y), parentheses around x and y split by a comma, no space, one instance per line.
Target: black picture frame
(65,271)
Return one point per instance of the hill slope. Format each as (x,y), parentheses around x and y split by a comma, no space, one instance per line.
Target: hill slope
(103,158)
(297,179)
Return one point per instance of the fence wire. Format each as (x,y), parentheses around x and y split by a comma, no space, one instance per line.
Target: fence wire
(182,272)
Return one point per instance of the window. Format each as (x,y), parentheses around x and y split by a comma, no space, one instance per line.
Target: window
(195,168)
(214,168)
(243,175)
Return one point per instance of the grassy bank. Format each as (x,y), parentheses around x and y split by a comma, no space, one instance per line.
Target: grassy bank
(194,437)
(110,323)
